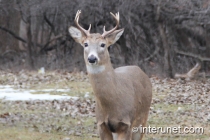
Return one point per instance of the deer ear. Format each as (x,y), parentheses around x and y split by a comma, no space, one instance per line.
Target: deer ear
(113,37)
(76,34)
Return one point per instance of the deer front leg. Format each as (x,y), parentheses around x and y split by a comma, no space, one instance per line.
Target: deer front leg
(104,132)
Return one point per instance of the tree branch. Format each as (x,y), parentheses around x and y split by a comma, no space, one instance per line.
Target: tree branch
(16,36)
(53,39)
(13,34)
(193,55)
(152,55)
(48,22)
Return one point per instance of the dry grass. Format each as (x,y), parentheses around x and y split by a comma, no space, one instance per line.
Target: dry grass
(14,133)
(164,112)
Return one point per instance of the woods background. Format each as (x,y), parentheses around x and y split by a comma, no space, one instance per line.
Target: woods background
(163,37)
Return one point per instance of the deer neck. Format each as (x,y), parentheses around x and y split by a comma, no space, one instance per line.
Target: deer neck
(99,70)
(103,82)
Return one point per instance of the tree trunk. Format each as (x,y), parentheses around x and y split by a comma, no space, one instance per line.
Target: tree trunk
(29,43)
(167,64)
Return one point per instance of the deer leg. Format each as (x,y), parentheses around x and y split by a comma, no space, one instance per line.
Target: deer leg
(139,135)
(141,131)
(124,136)
(104,132)
(136,136)
(125,132)
(144,121)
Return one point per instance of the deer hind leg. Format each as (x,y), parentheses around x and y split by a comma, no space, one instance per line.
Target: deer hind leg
(139,135)
(144,122)
(144,125)
(136,136)
(104,132)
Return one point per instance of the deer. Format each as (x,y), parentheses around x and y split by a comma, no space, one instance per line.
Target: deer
(123,95)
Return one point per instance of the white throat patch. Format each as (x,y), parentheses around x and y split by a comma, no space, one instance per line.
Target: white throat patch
(94,69)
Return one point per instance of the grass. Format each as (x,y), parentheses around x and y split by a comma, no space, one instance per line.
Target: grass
(14,133)
(166,115)
(170,116)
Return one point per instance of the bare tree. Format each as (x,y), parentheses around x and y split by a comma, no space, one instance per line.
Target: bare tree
(161,36)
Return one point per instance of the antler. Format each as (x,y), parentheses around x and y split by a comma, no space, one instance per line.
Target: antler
(117,18)
(76,20)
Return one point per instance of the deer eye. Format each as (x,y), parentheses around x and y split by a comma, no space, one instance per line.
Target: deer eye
(102,45)
(86,44)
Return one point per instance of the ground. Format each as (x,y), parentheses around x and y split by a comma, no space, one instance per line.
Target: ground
(175,103)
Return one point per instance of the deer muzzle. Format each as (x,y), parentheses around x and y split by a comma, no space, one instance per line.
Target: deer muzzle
(92,59)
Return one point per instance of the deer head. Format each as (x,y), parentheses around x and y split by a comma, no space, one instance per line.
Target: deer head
(95,45)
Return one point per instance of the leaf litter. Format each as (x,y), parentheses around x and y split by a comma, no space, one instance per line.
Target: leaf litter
(175,103)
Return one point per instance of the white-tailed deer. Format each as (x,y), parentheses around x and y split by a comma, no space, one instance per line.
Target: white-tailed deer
(123,95)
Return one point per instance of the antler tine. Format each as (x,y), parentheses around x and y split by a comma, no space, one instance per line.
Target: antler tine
(117,18)
(76,20)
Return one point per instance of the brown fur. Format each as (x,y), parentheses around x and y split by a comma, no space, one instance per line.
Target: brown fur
(123,95)
(123,98)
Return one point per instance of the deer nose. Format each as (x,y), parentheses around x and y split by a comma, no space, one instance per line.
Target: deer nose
(92,59)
